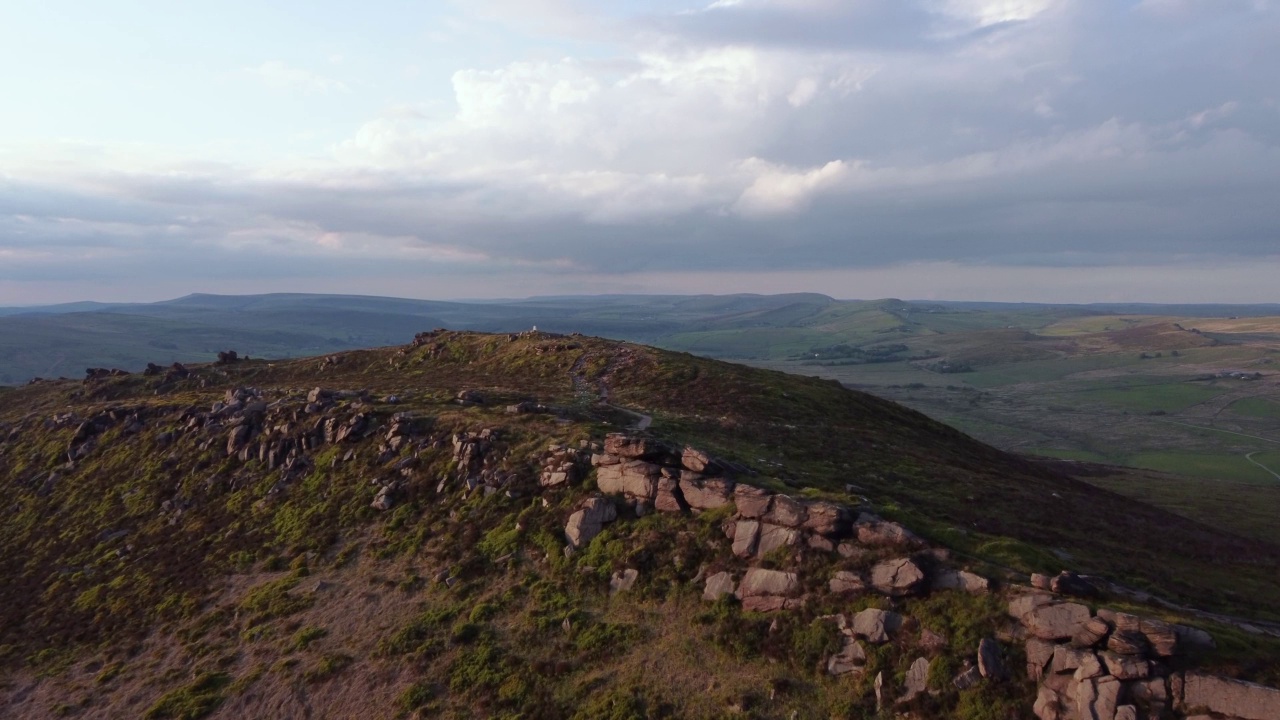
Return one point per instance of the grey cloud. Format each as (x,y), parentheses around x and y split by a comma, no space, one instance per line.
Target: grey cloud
(892,25)
(1097,134)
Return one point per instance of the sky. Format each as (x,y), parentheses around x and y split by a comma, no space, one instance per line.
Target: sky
(1016,150)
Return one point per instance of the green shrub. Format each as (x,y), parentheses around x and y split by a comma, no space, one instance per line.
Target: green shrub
(416,696)
(194,701)
(813,642)
(327,667)
(306,636)
(420,635)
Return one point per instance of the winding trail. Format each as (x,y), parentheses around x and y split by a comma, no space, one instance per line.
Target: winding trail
(1214,429)
(600,395)
(1249,457)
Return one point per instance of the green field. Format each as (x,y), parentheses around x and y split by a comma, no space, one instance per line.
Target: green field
(1162,397)
(1210,466)
(1249,510)
(1257,407)
(1061,454)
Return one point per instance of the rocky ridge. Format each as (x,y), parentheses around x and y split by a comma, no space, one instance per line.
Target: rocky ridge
(486,482)
(1103,665)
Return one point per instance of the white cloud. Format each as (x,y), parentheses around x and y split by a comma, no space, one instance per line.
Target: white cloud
(279,76)
(778,189)
(767,139)
(991,12)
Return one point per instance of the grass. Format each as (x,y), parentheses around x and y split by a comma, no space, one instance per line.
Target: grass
(1218,467)
(1161,397)
(191,702)
(1257,407)
(1246,509)
(537,630)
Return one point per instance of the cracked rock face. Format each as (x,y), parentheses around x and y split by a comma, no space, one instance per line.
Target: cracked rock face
(1059,621)
(587,522)
(897,578)
(876,625)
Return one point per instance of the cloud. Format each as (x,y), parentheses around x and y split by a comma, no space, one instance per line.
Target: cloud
(279,76)
(744,139)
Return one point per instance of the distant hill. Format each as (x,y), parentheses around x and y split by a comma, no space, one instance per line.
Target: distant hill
(63,340)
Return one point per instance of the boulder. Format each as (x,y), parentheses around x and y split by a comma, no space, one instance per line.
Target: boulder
(876,625)
(852,551)
(1067,659)
(950,579)
(850,658)
(818,542)
(670,497)
(787,512)
(1090,667)
(1097,699)
(967,679)
(1126,667)
(759,581)
(1234,698)
(718,585)
(990,663)
(1069,583)
(746,538)
(238,438)
(1091,633)
(634,479)
(773,537)
(1152,694)
(751,501)
(917,680)
(1128,642)
(1039,653)
(587,522)
(700,462)
(897,578)
(881,533)
(623,580)
(626,446)
(847,582)
(385,499)
(827,518)
(1048,705)
(1126,712)
(1161,636)
(1058,621)
(931,641)
(706,493)
(1025,603)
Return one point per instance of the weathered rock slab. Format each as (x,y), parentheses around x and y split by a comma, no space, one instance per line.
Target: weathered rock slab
(949,579)
(1233,698)
(917,680)
(718,585)
(746,538)
(850,658)
(990,662)
(897,578)
(876,625)
(773,537)
(587,522)
(759,581)
(845,581)
(1058,621)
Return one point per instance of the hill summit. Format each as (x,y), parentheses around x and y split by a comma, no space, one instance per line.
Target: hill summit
(547,526)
